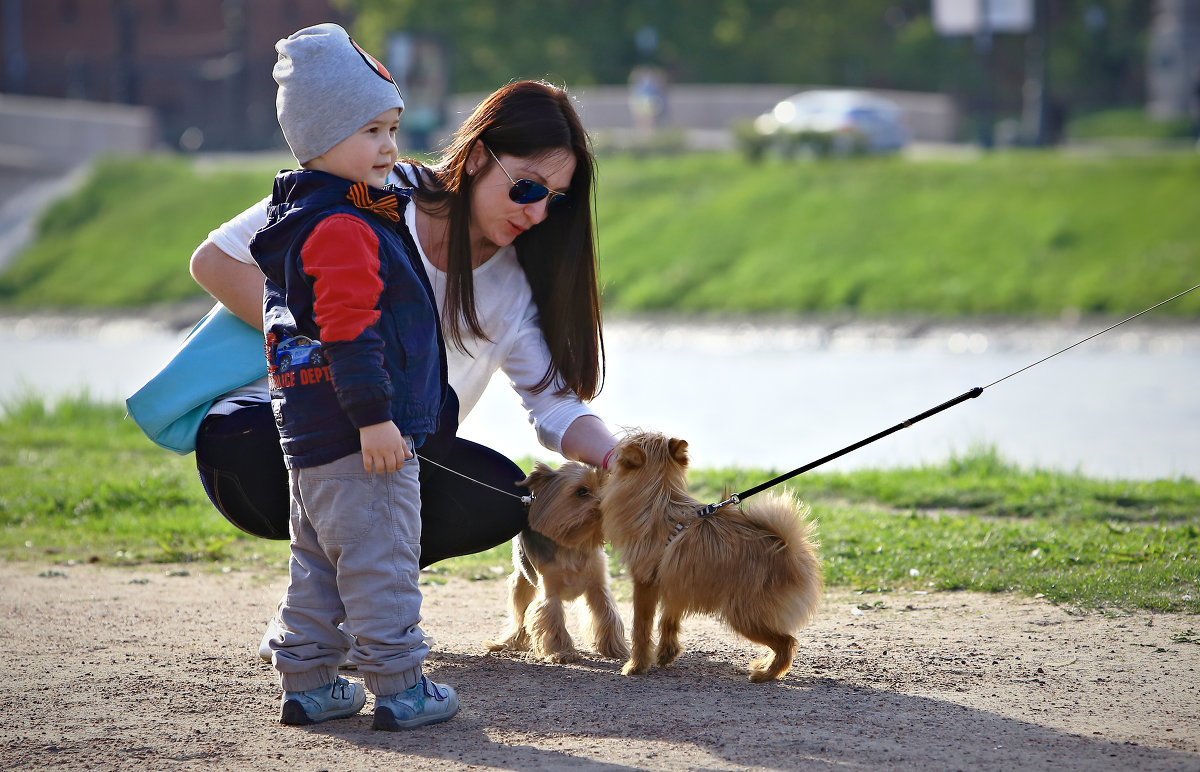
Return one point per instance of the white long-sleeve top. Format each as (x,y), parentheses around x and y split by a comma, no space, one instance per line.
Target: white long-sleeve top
(506,311)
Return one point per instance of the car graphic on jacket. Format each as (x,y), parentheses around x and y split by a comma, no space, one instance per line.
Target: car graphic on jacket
(299,350)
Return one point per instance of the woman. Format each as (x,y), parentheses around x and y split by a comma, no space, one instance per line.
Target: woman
(504,227)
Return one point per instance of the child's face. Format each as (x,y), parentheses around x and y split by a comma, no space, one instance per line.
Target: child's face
(367,155)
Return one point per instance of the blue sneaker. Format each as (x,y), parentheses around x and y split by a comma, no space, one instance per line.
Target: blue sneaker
(337,699)
(425,703)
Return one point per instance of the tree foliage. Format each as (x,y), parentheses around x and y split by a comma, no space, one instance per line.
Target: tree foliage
(1096,47)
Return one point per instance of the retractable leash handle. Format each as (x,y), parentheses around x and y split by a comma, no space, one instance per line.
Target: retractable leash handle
(735,498)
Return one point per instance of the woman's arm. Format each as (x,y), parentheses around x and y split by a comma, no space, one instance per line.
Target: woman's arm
(224,266)
(587,439)
(563,422)
(238,285)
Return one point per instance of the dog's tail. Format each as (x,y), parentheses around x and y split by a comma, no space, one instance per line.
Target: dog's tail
(780,513)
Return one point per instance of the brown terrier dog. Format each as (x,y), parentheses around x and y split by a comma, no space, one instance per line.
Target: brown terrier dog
(757,569)
(559,558)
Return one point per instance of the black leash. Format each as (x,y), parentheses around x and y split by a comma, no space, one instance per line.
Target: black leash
(973,393)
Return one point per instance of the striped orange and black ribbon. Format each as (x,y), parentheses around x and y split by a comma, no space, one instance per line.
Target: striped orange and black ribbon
(387,206)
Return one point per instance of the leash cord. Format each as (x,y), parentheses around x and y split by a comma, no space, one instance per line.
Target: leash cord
(1093,335)
(975,392)
(526,500)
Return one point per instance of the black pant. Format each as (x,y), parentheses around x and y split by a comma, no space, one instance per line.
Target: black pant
(241,467)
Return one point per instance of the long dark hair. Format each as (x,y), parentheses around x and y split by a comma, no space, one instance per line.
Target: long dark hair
(527,119)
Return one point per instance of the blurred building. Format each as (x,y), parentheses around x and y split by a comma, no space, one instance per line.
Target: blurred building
(204,66)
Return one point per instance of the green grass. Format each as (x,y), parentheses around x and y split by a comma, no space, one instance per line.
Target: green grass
(1123,124)
(980,523)
(124,239)
(1024,233)
(80,483)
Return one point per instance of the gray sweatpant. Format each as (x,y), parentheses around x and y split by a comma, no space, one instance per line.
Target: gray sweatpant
(356,543)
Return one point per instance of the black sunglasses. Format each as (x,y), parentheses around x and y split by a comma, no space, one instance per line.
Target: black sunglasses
(527,191)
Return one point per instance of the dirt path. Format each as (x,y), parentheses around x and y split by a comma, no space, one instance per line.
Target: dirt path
(154,667)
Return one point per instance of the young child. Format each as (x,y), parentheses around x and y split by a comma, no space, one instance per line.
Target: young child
(357,373)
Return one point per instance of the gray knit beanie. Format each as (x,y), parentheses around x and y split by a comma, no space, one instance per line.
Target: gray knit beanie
(329,88)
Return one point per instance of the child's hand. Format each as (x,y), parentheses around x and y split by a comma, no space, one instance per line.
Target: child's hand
(383,447)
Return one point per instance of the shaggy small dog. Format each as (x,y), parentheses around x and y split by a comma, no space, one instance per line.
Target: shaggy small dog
(558,558)
(757,568)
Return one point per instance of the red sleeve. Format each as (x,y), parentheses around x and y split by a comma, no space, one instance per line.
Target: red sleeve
(342,257)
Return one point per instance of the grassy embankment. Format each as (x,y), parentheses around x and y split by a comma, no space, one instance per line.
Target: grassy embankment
(1017,234)
(1020,235)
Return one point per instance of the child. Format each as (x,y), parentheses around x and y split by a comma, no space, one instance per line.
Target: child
(357,374)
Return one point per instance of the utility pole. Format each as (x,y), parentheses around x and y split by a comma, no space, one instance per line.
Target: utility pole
(125,86)
(14,64)
(1034,107)
(986,96)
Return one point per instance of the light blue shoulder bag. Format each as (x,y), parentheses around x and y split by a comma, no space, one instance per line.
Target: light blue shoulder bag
(220,354)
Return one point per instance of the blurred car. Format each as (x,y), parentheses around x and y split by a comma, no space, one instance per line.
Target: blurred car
(837,122)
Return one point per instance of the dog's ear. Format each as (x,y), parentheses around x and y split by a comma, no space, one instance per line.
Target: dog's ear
(540,475)
(678,450)
(567,509)
(631,457)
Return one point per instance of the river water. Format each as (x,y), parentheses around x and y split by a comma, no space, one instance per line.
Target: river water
(777,396)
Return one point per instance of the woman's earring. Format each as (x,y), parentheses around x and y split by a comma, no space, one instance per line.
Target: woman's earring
(470,171)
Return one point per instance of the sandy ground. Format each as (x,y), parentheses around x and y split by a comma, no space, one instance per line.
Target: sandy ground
(154,667)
